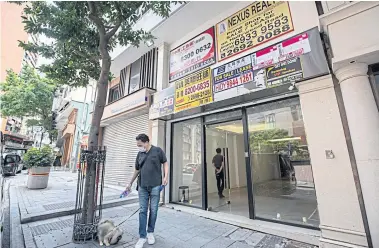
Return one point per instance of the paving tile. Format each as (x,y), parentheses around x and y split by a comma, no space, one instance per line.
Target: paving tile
(239,244)
(271,241)
(240,234)
(220,242)
(255,238)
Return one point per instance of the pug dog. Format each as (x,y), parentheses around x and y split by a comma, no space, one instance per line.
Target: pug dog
(108,233)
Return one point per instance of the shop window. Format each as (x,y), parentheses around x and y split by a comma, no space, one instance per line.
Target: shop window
(114,94)
(281,169)
(134,82)
(187,159)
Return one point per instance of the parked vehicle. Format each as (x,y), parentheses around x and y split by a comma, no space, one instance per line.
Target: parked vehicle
(10,164)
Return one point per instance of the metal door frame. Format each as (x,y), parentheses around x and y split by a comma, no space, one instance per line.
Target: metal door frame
(243,119)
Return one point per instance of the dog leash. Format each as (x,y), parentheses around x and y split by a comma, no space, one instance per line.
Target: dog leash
(126,194)
(128,217)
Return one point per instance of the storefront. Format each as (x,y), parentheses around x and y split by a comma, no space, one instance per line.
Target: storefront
(248,107)
(123,120)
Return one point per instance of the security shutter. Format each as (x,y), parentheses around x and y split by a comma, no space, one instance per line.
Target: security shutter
(120,142)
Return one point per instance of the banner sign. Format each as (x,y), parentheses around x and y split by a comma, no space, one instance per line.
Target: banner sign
(163,103)
(284,72)
(265,57)
(193,55)
(233,74)
(193,91)
(252,26)
(294,47)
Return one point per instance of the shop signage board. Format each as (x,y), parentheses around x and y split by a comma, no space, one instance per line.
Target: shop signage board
(163,103)
(265,57)
(254,25)
(294,47)
(193,55)
(284,72)
(193,90)
(234,78)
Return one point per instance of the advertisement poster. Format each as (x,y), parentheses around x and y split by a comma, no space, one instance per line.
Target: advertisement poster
(193,55)
(193,91)
(265,57)
(252,26)
(294,47)
(163,103)
(284,72)
(233,79)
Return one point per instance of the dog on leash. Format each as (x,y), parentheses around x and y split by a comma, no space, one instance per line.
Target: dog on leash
(108,233)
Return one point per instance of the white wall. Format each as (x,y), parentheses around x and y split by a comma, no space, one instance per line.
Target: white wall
(356,23)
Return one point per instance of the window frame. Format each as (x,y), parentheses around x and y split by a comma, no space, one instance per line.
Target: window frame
(139,75)
(111,92)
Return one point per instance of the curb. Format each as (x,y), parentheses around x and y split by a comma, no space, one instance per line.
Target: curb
(27,218)
(17,237)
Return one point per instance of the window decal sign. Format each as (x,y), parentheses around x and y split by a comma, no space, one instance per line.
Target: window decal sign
(193,55)
(254,25)
(194,90)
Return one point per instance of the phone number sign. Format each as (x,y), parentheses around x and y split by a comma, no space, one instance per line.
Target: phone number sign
(252,26)
(233,74)
(193,55)
(193,91)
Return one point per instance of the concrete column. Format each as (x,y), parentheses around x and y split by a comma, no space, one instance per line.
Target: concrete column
(363,120)
(163,66)
(158,133)
(338,206)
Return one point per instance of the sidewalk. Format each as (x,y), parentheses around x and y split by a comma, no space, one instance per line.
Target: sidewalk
(51,226)
(58,199)
(173,229)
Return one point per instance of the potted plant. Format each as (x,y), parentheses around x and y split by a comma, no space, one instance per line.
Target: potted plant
(38,162)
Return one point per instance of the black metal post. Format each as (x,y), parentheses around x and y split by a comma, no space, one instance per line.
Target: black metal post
(88,210)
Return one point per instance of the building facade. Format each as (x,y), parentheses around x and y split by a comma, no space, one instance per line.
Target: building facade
(12,56)
(287,90)
(74,107)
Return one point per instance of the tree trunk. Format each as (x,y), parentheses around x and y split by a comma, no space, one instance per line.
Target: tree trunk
(90,180)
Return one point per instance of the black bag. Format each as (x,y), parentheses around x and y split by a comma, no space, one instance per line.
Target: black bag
(140,167)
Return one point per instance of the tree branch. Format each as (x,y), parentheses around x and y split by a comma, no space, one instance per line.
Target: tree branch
(93,15)
(94,58)
(118,23)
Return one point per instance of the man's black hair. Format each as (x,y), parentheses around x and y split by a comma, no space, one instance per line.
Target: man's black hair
(143,137)
(218,150)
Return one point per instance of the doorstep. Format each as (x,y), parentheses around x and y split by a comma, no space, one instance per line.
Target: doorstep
(304,235)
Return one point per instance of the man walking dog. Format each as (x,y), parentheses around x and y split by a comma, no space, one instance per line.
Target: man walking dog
(148,168)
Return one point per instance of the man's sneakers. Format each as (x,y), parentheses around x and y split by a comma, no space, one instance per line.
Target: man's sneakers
(140,243)
(150,238)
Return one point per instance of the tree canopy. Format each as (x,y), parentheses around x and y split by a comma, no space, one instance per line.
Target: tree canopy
(28,94)
(83,33)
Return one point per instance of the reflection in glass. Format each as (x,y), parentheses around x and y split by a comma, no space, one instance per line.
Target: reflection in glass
(281,169)
(187,176)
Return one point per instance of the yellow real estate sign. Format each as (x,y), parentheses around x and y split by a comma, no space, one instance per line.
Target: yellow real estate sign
(194,90)
(252,26)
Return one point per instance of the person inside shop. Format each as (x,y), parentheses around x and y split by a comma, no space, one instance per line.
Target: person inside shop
(148,168)
(218,164)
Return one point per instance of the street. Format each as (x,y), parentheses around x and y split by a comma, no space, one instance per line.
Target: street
(48,224)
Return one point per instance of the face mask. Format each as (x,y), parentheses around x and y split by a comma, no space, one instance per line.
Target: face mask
(142,149)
